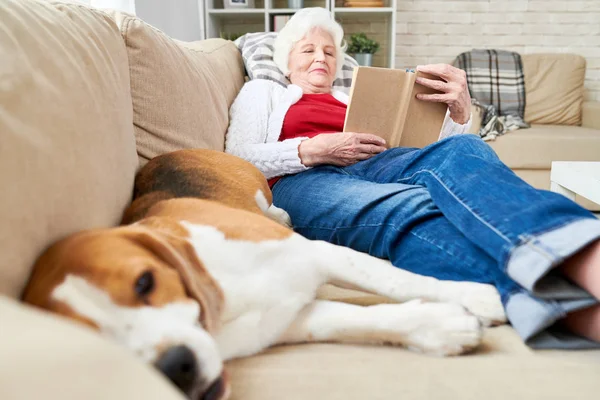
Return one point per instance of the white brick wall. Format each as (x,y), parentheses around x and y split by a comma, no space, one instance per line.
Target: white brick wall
(437,31)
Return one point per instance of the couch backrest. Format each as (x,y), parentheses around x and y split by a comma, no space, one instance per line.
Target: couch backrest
(67,149)
(181,92)
(554,87)
(83,94)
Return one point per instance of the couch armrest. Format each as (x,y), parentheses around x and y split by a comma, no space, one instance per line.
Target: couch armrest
(590,114)
(45,356)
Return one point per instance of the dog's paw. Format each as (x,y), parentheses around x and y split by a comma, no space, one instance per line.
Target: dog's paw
(279,215)
(484,302)
(444,329)
(440,329)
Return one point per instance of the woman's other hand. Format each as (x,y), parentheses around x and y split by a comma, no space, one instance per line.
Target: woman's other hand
(453,86)
(341,148)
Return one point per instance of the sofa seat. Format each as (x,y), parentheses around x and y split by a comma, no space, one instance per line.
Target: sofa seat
(44,356)
(502,368)
(538,146)
(51,357)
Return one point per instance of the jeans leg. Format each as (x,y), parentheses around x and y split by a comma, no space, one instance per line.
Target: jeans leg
(526,230)
(490,205)
(395,221)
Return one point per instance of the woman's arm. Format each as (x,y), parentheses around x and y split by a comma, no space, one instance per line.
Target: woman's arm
(247,133)
(341,148)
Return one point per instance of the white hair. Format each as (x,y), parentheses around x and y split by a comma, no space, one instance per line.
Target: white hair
(298,27)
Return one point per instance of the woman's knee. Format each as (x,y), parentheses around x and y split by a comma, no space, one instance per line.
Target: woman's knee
(463,139)
(468,144)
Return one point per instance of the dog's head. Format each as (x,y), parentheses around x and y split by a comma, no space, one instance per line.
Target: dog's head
(145,290)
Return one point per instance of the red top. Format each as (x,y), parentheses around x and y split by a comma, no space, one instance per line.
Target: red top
(313,114)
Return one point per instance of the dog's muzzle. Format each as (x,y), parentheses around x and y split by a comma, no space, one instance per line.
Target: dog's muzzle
(180,366)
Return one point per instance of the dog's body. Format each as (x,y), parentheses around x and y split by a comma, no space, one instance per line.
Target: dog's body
(198,267)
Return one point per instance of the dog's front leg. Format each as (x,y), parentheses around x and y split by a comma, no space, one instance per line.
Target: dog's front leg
(432,328)
(351,269)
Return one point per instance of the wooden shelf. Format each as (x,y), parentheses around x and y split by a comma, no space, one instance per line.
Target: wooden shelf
(282,11)
(241,20)
(349,10)
(237,11)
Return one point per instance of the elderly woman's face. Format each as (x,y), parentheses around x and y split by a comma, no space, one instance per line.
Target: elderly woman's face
(312,61)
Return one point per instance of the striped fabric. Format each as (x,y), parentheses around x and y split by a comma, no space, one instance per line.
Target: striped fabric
(257,53)
(497,84)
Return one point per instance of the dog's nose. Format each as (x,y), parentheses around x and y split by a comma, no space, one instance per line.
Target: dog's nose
(215,391)
(179,365)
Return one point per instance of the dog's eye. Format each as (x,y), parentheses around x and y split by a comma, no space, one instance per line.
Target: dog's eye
(144,284)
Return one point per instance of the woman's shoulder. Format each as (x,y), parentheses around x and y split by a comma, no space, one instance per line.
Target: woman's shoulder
(254,93)
(263,85)
(263,89)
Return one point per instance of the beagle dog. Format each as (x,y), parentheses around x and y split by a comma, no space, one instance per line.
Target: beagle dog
(197,275)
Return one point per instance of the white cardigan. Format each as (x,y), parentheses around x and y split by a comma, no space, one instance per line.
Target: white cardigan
(256,119)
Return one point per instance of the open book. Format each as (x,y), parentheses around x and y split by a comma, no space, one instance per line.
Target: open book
(383,102)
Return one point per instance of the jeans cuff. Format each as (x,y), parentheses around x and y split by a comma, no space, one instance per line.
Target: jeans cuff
(533,319)
(531,262)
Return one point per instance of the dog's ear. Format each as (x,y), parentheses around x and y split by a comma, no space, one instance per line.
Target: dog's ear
(179,254)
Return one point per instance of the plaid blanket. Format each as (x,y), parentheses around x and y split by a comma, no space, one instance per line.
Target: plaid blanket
(497,84)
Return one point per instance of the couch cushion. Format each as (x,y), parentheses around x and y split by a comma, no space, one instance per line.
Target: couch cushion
(47,357)
(538,146)
(554,88)
(67,152)
(590,114)
(347,372)
(181,92)
(503,368)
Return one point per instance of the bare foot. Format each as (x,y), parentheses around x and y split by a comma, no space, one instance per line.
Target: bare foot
(583,268)
(584,323)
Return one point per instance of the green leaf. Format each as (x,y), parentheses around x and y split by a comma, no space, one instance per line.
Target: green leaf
(360,43)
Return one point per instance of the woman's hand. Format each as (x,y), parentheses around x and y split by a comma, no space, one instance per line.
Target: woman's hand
(453,86)
(341,148)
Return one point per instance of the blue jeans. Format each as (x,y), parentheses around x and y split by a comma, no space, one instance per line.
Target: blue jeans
(454,211)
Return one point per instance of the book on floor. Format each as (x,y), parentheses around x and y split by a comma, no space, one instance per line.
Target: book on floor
(383,102)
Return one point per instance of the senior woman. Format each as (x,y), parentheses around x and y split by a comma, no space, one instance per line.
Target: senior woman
(451,210)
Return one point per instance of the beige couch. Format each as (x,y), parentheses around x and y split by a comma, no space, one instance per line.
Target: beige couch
(563,126)
(84,97)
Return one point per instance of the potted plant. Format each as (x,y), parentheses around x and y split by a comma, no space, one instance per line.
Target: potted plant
(230,36)
(362,48)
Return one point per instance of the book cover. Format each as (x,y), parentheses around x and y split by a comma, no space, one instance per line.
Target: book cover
(383,102)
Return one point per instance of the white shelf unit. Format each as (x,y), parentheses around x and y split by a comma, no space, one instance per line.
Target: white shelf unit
(377,22)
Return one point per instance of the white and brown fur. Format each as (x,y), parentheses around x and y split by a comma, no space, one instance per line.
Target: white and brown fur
(197,264)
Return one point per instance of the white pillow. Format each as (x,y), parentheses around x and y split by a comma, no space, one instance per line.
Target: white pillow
(257,52)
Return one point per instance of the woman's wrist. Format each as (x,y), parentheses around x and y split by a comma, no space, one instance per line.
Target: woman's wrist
(463,116)
(306,153)
(462,119)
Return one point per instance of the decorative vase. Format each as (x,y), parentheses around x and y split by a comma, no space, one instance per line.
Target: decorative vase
(364,59)
(295,4)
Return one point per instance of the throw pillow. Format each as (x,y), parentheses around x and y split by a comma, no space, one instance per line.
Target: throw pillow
(555,88)
(257,52)
(181,92)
